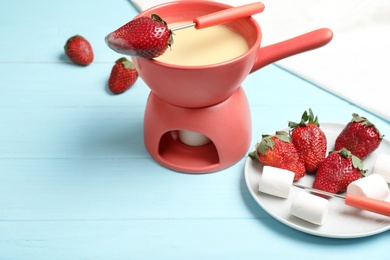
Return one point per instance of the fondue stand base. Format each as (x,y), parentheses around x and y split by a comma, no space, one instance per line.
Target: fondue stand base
(227,124)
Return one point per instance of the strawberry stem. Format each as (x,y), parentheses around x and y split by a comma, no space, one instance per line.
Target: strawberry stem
(307,118)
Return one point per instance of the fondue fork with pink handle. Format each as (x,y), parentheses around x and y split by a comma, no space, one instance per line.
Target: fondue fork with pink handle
(223,16)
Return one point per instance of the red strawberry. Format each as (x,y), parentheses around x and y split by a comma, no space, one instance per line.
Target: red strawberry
(337,171)
(79,50)
(359,136)
(309,140)
(142,37)
(122,77)
(278,151)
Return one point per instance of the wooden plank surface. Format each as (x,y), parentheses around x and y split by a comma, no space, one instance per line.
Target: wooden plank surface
(76,181)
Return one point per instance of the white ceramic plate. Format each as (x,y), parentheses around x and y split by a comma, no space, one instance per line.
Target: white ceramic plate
(342,221)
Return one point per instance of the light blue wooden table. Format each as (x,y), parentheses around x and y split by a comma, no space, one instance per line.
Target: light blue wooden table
(77,183)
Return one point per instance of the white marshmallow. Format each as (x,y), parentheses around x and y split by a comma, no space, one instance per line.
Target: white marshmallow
(382,166)
(373,186)
(276,182)
(310,207)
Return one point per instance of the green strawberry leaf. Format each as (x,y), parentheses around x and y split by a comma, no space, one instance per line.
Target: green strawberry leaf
(357,163)
(356,118)
(307,118)
(345,153)
(283,135)
(253,155)
(292,124)
(266,143)
(157,18)
(128,64)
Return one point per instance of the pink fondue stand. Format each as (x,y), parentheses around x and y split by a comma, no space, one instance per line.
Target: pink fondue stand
(207,99)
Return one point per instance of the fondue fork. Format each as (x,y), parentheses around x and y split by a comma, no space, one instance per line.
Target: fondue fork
(223,16)
(357,201)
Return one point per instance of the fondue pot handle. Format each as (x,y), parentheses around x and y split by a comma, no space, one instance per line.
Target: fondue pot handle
(299,44)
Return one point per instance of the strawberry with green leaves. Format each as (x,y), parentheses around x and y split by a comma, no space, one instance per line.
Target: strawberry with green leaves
(278,151)
(79,50)
(337,171)
(359,136)
(145,37)
(123,76)
(309,140)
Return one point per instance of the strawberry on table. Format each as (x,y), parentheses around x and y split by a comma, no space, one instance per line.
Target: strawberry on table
(309,140)
(145,37)
(337,171)
(79,50)
(123,76)
(359,136)
(278,151)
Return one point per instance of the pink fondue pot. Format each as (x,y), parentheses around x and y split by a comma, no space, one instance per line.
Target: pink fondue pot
(207,100)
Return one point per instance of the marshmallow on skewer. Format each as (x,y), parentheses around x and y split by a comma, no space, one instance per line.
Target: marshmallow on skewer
(276,181)
(373,186)
(382,166)
(310,207)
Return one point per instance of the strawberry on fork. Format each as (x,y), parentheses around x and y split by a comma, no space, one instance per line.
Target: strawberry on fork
(144,37)
(148,38)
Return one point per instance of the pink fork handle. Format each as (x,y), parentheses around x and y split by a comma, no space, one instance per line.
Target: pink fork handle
(373,205)
(228,15)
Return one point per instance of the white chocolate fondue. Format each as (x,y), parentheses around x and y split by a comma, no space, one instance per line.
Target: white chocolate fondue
(206,46)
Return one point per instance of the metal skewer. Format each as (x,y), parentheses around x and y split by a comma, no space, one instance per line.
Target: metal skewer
(357,201)
(319,191)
